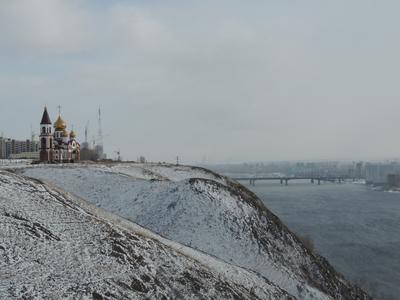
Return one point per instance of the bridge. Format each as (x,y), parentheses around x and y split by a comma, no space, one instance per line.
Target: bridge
(313,179)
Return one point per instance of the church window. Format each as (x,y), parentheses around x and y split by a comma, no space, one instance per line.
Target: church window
(43,143)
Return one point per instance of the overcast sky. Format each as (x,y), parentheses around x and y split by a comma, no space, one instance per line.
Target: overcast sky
(220,81)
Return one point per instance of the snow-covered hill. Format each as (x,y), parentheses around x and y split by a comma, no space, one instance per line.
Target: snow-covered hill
(56,246)
(208,212)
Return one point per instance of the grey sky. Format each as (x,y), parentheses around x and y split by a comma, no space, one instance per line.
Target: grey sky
(222,80)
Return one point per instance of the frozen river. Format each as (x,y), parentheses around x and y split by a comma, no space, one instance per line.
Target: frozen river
(355,227)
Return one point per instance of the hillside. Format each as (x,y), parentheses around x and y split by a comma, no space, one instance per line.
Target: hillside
(54,246)
(208,212)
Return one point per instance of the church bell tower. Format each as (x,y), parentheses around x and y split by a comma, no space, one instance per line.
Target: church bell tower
(46,138)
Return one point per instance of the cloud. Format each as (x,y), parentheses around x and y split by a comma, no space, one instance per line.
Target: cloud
(44,26)
(131,27)
(206,78)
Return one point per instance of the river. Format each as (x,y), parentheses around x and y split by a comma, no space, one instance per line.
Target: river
(355,227)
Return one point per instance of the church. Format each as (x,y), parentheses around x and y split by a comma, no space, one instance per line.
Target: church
(58,146)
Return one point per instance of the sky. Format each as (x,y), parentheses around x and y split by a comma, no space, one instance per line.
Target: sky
(208,81)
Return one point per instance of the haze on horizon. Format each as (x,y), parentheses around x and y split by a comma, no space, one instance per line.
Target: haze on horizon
(210,81)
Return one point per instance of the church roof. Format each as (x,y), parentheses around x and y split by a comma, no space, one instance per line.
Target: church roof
(60,124)
(65,133)
(45,118)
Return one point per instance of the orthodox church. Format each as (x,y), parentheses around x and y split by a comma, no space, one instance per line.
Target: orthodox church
(59,146)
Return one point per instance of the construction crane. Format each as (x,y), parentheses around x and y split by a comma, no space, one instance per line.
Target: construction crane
(85,144)
(95,142)
(33,134)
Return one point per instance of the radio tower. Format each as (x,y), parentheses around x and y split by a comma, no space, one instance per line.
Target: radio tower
(99,146)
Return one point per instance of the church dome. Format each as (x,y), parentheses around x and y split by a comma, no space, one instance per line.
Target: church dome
(60,124)
(65,133)
(72,134)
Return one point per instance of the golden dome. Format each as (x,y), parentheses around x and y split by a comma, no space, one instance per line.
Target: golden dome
(72,134)
(65,133)
(60,124)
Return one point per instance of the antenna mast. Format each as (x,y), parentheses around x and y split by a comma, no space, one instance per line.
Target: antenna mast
(99,147)
(100,137)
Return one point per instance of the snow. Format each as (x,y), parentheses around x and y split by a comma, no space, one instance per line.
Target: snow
(205,211)
(164,172)
(54,245)
(7,163)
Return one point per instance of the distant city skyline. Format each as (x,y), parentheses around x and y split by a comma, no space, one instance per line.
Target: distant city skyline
(208,81)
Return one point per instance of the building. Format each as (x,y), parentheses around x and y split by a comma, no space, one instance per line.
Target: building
(26,155)
(377,173)
(393,181)
(2,148)
(9,148)
(58,145)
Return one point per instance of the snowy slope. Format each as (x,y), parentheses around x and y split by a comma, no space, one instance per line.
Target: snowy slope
(53,245)
(208,212)
(158,171)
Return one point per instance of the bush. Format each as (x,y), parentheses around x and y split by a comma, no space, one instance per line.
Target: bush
(307,242)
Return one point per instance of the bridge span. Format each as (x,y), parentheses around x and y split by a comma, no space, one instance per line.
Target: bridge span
(313,179)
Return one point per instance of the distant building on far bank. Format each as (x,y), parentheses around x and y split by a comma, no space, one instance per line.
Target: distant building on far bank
(377,173)
(393,181)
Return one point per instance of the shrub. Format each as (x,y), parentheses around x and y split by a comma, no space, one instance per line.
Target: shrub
(307,242)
